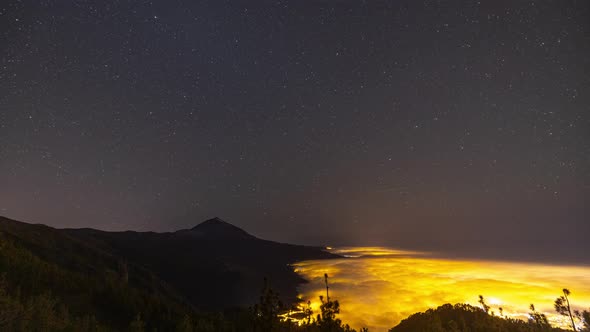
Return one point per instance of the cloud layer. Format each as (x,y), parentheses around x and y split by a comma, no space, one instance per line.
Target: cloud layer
(378,287)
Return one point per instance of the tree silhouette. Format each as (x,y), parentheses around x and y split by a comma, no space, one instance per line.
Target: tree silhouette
(464,318)
(584,316)
(326,319)
(267,310)
(308,313)
(484,305)
(562,306)
(537,318)
(327,287)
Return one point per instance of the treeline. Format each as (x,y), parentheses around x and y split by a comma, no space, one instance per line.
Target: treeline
(37,294)
(464,317)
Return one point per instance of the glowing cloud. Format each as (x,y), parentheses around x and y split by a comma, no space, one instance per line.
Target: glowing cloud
(378,287)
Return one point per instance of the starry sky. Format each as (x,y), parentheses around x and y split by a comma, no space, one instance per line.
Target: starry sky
(459,126)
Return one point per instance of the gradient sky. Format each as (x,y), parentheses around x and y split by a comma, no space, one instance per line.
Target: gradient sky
(455,126)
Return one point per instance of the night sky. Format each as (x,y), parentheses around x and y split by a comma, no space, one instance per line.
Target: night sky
(459,126)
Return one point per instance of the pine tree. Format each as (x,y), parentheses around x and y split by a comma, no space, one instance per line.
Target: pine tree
(327,320)
(562,306)
(538,319)
(267,310)
(484,305)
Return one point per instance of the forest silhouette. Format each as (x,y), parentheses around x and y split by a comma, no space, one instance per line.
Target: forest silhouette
(95,291)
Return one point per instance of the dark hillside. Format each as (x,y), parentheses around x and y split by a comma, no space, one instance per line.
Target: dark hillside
(214,264)
(463,318)
(44,271)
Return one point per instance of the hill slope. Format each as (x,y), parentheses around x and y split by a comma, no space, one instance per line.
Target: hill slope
(213,265)
(464,317)
(51,281)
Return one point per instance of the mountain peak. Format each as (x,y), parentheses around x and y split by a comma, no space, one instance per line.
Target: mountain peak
(219,228)
(214,220)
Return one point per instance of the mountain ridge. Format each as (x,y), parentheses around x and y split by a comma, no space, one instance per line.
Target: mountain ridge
(214,264)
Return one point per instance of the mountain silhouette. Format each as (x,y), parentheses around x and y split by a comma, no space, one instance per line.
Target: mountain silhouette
(216,228)
(211,266)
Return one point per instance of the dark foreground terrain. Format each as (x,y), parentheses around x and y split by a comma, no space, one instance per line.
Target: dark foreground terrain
(213,266)
(214,277)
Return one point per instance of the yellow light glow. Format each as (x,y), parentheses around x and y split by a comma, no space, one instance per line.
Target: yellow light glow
(382,286)
(494,301)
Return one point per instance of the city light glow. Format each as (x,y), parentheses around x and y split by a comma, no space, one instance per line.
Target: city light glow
(378,287)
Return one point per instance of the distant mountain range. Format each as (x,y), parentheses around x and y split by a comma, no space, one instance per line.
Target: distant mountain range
(213,265)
